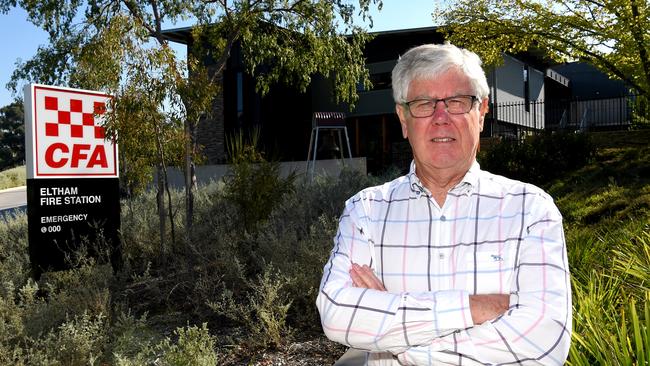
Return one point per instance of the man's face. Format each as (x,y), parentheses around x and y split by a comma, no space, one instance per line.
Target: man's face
(443,142)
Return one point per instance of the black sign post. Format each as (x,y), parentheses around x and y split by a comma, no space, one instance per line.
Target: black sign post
(65,215)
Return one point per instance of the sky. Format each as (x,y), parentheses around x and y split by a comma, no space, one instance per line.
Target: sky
(20,38)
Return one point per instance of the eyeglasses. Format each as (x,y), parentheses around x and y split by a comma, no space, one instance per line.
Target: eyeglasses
(458,104)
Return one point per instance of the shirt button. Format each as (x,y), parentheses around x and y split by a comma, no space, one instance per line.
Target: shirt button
(441,256)
(443,218)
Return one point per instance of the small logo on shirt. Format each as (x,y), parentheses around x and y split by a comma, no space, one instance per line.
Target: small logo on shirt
(496,258)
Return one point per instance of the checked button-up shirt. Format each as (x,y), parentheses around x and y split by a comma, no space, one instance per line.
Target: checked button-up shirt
(493,235)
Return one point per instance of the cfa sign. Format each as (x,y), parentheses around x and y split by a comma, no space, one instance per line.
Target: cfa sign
(73,198)
(65,134)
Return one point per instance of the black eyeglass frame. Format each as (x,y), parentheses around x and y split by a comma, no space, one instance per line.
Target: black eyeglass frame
(435,101)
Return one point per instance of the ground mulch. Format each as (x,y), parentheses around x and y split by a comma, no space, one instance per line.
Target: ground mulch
(314,352)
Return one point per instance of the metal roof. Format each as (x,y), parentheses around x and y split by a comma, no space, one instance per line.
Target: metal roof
(178,35)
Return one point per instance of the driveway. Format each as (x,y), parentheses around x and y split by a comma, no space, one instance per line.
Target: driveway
(13,200)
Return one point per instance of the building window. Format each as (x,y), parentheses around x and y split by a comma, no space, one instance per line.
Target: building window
(380,81)
(240,94)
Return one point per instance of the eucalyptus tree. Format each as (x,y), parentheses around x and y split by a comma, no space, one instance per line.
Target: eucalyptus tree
(12,135)
(612,35)
(118,46)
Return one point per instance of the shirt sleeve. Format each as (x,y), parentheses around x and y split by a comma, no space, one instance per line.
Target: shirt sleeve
(537,328)
(378,320)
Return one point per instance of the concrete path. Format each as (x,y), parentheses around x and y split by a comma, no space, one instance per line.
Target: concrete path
(13,199)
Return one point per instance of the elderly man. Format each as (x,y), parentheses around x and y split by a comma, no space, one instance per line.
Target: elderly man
(448,264)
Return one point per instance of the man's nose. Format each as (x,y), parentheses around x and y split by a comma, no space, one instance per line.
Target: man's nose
(440,114)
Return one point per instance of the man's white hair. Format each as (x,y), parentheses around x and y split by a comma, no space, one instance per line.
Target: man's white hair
(432,60)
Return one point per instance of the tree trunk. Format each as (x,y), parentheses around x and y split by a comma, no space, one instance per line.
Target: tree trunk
(163,186)
(160,200)
(190,180)
(639,37)
(169,206)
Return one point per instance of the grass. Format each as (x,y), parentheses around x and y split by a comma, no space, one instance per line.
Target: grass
(614,187)
(14,177)
(606,206)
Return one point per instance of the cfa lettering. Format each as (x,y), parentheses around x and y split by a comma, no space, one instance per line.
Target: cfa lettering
(79,154)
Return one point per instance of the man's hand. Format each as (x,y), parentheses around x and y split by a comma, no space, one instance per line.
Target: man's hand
(487,307)
(363,276)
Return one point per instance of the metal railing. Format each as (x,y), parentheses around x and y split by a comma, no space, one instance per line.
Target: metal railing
(576,114)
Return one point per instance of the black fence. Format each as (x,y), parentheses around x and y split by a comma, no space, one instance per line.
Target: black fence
(512,119)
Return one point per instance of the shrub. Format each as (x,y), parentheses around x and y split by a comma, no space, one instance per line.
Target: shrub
(614,189)
(71,293)
(262,310)
(608,328)
(131,339)
(14,258)
(612,302)
(79,341)
(640,112)
(539,158)
(195,346)
(57,320)
(254,184)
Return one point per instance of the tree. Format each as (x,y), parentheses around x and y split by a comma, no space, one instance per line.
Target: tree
(612,35)
(107,45)
(12,135)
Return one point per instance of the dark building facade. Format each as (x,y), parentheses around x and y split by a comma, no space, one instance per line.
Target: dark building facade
(284,115)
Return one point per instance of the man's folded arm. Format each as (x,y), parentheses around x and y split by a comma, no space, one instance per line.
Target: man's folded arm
(376,320)
(537,327)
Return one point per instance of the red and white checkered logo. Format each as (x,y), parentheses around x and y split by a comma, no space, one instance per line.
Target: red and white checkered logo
(68,136)
(74,116)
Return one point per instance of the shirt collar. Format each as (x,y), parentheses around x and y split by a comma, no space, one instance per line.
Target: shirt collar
(465,186)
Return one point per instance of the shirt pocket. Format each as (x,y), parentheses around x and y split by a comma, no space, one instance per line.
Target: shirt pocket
(490,272)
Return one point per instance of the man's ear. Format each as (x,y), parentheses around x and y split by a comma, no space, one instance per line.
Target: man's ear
(401,113)
(484,109)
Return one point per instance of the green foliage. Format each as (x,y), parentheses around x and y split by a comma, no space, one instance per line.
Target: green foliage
(120,48)
(77,342)
(256,289)
(262,310)
(12,135)
(610,35)
(606,209)
(59,320)
(614,188)
(632,260)
(145,137)
(14,258)
(56,297)
(84,288)
(254,184)
(195,346)
(103,45)
(641,112)
(538,159)
(612,304)
(131,339)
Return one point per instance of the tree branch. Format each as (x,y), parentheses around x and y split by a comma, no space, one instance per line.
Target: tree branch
(157,20)
(638,36)
(595,56)
(135,12)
